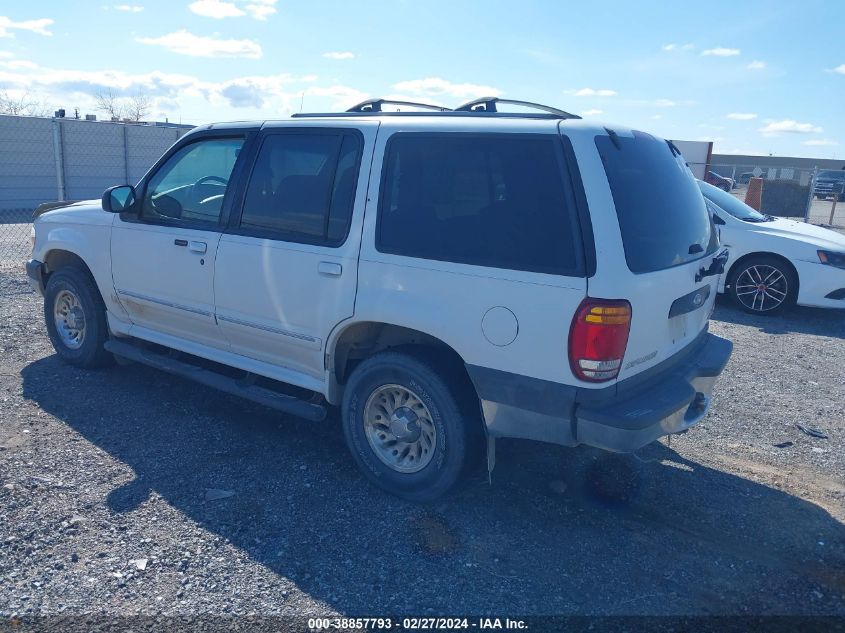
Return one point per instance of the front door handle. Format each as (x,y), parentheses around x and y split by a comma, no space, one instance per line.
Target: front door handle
(332,269)
(197,247)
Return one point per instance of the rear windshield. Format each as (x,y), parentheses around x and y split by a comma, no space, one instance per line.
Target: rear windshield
(662,215)
(832,175)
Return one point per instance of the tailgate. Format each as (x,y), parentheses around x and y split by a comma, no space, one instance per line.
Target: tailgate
(668,240)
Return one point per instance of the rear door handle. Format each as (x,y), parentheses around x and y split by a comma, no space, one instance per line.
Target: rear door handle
(197,247)
(331,269)
(180,242)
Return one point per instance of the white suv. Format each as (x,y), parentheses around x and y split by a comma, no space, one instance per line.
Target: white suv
(445,278)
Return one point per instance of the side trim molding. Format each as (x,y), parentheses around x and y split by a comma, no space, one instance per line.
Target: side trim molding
(268,328)
(169,304)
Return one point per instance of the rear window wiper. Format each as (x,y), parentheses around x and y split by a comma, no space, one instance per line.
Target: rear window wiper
(614,138)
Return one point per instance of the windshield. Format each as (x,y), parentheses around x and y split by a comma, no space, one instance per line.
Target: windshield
(662,216)
(832,175)
(730,204)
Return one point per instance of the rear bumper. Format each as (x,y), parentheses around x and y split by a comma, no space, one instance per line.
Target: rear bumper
(35,273)
(670,401)
(670,398)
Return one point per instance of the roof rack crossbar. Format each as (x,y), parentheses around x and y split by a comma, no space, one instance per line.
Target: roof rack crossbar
(375,105)
(488,104)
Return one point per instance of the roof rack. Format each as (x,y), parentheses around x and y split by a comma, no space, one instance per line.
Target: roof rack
(375,105)
(486,107)
(488,104)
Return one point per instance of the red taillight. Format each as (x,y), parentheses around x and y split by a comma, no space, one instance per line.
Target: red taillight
(598,338)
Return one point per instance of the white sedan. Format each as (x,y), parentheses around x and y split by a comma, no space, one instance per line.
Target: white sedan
(776,263)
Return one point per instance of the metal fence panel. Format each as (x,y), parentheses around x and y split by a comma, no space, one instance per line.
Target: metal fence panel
(145,146)
(27,162)
(93,158)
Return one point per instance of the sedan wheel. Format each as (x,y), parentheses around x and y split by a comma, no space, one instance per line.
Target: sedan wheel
(764,286)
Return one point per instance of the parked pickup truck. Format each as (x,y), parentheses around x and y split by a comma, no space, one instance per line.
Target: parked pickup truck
(444,278)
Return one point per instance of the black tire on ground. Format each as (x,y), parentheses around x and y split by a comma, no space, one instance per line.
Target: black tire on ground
(789,285)
(90,353)
(453,407)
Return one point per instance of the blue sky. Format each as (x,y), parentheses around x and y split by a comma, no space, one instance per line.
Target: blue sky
(754,77)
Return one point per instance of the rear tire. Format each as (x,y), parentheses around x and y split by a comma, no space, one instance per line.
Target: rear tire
(763,285)
(76,318)
(410,424)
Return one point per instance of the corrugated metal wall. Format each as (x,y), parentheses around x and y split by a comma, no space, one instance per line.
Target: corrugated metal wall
(38,155)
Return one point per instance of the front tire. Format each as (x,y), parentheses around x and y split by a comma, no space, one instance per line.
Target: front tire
(408,422)
(76,318)
(764,285)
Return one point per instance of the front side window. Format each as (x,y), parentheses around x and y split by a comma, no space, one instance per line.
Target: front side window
(191,185)
(498,200)
(302,187)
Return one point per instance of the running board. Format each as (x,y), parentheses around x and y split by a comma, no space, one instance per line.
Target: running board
(267,397)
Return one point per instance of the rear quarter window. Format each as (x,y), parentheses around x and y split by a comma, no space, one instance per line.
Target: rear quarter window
(497,200)
(662,214)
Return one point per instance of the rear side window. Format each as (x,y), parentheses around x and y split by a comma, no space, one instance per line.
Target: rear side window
(661,211)
(498,200)
(302,187)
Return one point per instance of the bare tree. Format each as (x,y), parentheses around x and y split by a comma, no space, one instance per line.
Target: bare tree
(24,105)
(138,107)
(111,105)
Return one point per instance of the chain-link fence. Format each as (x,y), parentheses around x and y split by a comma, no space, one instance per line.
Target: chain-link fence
(48,160)
(810,194)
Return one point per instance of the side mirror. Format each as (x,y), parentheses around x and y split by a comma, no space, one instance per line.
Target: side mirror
(718,220)
(119,199)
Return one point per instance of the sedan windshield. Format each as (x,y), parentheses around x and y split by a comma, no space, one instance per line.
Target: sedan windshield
(730,204)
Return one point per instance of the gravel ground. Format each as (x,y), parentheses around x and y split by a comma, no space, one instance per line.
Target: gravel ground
(128,491)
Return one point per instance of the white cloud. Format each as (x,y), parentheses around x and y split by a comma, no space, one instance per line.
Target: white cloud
(592,112)
(839,69)
(216,9)
(592,92)
(7,25)
(820,141)
(664,103)
(339,55)
(16,64)
(435,86)
(186,43)
(130,8)
(741,116)
(790,127)
(221,9)
(720,52)
(6,55)
(656,117)
(756,65)
(677,47)
(261,9)
(275,95)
